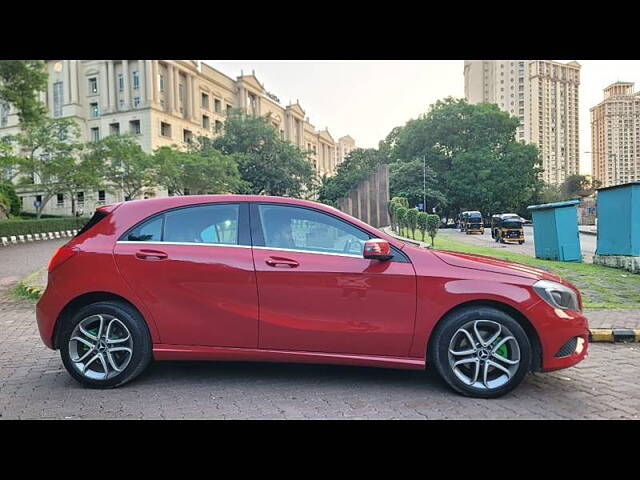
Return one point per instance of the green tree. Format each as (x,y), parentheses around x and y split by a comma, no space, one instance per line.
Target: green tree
(473,152)
(422,222)
(197,172)
(11,199)
(412,221)
(408,180)
(401,213)
(578,186)
(267,164)
(124,164)
(21,81)
(356,167)
(433,222)
(48,154)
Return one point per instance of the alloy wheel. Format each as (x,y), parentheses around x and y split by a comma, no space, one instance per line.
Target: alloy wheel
(100,347)
(484,354)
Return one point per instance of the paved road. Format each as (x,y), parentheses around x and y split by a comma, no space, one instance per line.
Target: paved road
(19,260)
(587,242)
(34,385)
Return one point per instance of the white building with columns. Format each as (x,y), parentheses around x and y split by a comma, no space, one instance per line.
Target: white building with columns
(161,102)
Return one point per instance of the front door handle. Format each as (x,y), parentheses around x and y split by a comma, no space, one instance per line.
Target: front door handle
(146,254)
(280,261)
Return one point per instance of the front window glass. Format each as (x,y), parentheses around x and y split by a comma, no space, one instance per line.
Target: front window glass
(203,224)
(305,229)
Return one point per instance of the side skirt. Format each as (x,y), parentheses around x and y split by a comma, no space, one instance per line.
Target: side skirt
(189,352)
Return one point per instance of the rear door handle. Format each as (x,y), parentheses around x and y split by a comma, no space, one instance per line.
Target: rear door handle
(151,254)
(280,261)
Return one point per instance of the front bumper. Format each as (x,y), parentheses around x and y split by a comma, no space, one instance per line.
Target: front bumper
(556,328)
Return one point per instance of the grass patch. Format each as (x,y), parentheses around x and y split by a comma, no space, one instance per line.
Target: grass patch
(22,291)
(601,287)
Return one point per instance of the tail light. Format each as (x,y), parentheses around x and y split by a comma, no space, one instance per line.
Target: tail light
(62,254)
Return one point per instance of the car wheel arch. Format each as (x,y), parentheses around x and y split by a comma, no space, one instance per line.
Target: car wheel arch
(517,315)
(87,299)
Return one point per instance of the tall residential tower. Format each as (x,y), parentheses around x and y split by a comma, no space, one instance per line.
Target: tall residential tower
(615,136)
(543,95)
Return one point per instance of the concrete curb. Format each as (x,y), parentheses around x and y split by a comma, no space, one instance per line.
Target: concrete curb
(14,240)
(614,335)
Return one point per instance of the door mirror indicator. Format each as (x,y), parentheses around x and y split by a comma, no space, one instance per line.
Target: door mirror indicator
(377,249)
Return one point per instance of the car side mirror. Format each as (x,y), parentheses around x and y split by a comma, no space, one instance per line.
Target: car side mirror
(377,249)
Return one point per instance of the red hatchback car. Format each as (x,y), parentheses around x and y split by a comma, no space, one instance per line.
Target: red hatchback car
(230,277)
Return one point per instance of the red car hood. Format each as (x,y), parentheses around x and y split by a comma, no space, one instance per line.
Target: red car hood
(489,264)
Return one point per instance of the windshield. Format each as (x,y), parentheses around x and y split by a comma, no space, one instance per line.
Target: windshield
(512,224)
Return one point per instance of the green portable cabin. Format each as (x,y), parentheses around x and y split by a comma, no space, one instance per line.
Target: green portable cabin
(555,231)
(618,211)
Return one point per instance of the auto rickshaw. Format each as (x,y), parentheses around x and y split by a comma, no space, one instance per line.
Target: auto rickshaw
(507,227)
(473,223)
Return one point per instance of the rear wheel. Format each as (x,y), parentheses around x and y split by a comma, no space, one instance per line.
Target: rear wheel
(105,344)
(481,352)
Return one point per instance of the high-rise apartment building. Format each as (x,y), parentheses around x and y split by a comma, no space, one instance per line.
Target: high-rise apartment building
(615,136)
(543,95)
(161,102)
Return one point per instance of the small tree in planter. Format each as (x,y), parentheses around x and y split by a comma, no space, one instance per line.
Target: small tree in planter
(433,222)
(422,223)
(412,221)
(401,213)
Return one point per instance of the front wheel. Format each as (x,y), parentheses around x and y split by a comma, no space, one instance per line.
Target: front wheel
(481,352)
(105,344)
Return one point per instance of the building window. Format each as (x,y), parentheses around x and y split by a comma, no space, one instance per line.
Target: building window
(80,198)
(120,82)
(229,107)
(136,79)
(205,121)
(161,82)
(218,125)
(136,102)
(95,134)
(114,129)
(4,114)
(205,101)
(93,86)
(187,136)
(101,196)
(95,111)
(121,103)
(218,105)
(58,99)
(60,199)
(165,130)
(134,127)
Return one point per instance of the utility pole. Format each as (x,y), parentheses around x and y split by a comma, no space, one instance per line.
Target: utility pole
(424,183)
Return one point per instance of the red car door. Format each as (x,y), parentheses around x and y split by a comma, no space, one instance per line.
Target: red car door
(317,293)
(193,268)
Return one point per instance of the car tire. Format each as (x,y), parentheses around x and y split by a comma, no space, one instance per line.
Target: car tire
(105,344)
(450,352)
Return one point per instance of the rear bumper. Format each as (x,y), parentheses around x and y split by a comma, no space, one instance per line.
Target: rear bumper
(47,310)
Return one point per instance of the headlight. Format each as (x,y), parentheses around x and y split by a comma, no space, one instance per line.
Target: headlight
(557,295)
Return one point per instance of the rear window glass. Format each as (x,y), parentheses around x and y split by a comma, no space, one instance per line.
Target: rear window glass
(93,221)
(149,231)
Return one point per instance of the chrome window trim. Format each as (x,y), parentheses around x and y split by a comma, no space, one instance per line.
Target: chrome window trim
(309,251)
(240,246)
(185,243)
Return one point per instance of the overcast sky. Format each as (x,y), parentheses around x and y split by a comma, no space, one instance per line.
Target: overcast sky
(366,99)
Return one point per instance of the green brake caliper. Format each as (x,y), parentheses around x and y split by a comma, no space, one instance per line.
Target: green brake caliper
(502,351)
